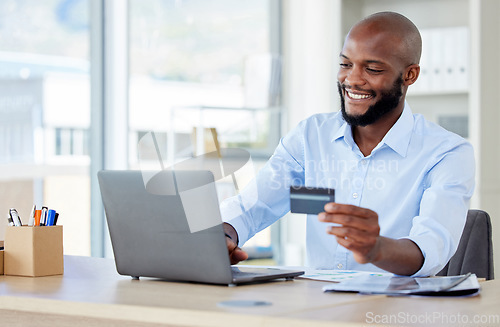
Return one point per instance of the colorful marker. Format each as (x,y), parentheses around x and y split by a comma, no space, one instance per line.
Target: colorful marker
(43,218)
(51,216)
(38,215)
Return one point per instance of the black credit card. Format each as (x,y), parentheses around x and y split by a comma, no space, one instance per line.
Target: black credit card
(310,200)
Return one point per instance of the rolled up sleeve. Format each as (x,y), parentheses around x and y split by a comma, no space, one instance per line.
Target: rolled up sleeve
(270,186)
(437,229)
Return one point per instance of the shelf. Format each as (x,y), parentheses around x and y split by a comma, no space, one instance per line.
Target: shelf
(249,128)
(265,109)
(436,93)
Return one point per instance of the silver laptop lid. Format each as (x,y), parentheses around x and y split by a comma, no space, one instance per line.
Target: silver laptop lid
(150,233)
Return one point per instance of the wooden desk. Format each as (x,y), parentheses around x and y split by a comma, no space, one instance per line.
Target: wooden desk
(91,293)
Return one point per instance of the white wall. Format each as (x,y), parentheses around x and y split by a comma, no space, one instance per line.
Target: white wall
(484,110)
(311,46)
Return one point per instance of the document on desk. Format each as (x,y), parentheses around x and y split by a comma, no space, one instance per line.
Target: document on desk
(338,276)
(397,285)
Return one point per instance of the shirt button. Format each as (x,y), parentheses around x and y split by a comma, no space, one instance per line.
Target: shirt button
(340,266)
(355,195)
(364,162)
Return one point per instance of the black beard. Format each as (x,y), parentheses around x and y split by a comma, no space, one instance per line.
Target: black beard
(389,100)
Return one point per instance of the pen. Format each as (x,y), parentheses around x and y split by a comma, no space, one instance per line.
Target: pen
(31,222)
(38,215)
(51,216)
(55,219)
(9,219)
(15,217)
(43,218)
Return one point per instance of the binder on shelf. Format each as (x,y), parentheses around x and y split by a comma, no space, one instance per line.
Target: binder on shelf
(450,59)
(462,55)
(422,83)
(444,63)
(436,60)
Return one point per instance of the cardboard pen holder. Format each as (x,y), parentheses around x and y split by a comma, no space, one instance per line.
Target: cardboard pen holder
(33,251)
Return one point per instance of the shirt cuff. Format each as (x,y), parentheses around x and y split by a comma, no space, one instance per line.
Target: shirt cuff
(241,229)
(430,250)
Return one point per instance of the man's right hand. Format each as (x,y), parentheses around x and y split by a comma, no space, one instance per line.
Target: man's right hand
(235,253)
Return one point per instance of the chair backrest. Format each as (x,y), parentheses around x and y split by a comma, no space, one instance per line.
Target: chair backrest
(475,250)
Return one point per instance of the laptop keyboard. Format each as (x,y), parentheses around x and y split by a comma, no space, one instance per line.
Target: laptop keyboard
(238,273)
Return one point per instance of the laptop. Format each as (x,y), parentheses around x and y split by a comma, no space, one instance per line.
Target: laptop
(152,236)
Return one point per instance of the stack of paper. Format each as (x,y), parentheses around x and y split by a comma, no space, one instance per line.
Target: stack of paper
(340,275)
(394,285)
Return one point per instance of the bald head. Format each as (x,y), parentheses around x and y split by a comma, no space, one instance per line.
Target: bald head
(378,62)
(397,31)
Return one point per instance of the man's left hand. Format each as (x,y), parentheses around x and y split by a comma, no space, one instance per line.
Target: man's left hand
(358,231)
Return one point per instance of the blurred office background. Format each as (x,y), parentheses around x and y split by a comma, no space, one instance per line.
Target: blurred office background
(82,81)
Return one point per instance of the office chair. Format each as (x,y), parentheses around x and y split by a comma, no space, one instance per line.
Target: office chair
(475,250)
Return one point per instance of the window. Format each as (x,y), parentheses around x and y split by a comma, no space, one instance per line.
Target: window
(184,55)
(203,64)
(71,142)
(45,113)
(189,56)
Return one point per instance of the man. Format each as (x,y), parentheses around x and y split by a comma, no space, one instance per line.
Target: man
(402,184)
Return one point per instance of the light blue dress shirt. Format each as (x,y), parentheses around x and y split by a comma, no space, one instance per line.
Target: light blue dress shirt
(418,179)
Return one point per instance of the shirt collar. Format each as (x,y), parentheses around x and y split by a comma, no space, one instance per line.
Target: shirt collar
(345,133)
(341,132)
(397,138)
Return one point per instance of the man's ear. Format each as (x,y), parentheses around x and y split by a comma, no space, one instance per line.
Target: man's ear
(411,74)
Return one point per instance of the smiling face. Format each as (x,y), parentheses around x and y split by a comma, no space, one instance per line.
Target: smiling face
(375,71)
(387,103)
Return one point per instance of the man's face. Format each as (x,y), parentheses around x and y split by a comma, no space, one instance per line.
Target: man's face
(370,79)
(386,103)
